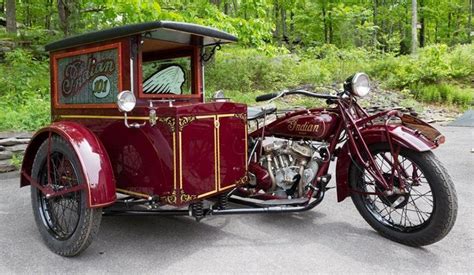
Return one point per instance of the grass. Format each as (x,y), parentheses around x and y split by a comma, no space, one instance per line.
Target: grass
(446,93)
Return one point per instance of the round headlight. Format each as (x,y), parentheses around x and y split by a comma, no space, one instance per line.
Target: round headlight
(219,96)
(126,101)
(358,84)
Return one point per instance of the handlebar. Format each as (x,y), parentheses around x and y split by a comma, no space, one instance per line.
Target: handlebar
(266,97)
(269,96)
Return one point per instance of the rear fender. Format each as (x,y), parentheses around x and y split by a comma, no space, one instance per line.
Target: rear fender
(401,136)
(92,156)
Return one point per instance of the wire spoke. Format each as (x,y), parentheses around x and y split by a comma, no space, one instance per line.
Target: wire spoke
(408,213)
(61,213)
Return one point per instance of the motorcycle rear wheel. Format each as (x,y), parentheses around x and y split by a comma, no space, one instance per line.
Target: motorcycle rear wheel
(422,216)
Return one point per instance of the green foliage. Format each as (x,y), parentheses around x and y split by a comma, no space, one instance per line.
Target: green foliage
(444,93)
(24,97)
(433,64)
(16,160)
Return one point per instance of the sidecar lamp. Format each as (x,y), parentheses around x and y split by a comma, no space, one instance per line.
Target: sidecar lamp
(126,101)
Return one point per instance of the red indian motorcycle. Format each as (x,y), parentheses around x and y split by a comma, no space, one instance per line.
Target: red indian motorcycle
(384,163)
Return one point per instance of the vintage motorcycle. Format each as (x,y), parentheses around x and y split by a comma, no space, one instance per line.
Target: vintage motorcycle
(384,162)
(132,134)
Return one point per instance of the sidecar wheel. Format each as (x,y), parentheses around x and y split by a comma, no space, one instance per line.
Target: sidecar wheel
(65,223)
(422,216)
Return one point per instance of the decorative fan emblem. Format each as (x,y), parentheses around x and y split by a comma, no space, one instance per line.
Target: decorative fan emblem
(166,81)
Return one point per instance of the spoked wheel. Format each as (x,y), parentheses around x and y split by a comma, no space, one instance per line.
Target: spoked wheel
(65,223)
(422,212)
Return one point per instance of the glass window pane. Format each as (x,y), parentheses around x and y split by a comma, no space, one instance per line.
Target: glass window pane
(167,76)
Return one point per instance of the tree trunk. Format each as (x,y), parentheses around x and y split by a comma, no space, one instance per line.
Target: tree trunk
(66,8)
(284,29)
(216,2)
(470,28)
(47,19)
(375,14)
(422,23)
(414,21)
(449,25)
(276,12)
(11,16)
(326,37)
(331,33)
(226,8)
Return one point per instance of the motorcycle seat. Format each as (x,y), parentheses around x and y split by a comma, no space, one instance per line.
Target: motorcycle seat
(259,112)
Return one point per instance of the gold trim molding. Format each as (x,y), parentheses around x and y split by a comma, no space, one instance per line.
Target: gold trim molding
(171,198)
(169,121)
(184,121)
(186,197)
(242,116)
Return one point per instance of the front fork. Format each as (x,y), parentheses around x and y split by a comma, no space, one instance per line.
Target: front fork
(359,149)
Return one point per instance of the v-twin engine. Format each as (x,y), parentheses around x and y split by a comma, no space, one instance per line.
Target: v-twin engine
(292,165)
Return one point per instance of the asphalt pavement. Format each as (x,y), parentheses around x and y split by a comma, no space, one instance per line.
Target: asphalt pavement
(333,237)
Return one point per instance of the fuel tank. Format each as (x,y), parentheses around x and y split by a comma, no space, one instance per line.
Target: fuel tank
(316,125)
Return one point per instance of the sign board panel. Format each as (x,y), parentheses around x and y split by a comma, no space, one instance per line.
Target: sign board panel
(88,77)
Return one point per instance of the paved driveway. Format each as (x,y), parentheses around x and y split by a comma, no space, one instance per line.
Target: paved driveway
(331,238)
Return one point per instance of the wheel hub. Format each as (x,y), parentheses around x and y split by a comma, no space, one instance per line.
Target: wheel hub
(396,201)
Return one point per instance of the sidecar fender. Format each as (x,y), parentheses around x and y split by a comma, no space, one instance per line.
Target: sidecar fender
(401,135)
(92,156)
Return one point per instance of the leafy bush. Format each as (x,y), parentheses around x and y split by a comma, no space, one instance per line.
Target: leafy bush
(24,97)
(444,93)
(433,64)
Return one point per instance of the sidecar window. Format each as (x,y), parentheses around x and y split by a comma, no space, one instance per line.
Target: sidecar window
(87,77)
(167,76)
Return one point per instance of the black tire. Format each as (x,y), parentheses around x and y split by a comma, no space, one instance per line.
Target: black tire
(436,216)
(65,223)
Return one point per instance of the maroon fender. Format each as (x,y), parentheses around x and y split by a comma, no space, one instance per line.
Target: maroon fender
(92,156)
(401,135)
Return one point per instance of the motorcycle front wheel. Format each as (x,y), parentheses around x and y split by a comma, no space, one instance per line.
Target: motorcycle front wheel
(421,215)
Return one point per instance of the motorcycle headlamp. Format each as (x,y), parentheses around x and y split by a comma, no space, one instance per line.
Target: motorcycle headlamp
(126,101)
(220,97)
(358,84)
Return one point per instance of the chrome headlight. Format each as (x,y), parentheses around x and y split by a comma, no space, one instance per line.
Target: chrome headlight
(219,96)
(358,84)
(126,101)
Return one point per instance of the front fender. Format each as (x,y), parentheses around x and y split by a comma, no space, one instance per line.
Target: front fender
(92,156)
(401,136)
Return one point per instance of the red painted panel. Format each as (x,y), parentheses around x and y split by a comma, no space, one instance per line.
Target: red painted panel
(198,165)
(142,159)
(232,151)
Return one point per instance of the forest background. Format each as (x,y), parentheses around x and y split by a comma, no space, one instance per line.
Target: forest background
(420,48)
